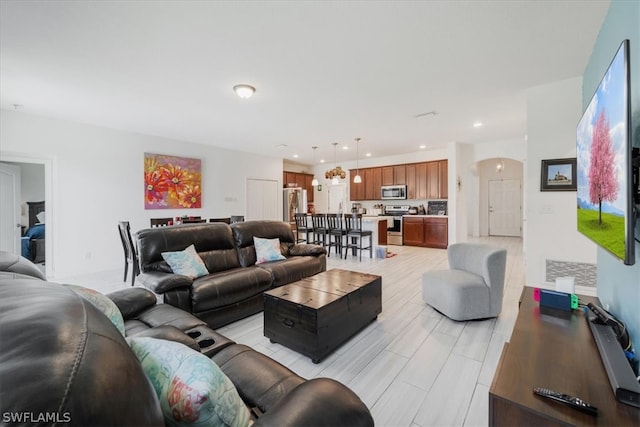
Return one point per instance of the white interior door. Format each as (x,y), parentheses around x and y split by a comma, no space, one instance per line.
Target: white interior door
(10,218)
(263,200)
(505,217)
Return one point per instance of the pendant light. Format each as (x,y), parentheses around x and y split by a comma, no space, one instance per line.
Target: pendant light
(357,179)
(335,180)
(314,182)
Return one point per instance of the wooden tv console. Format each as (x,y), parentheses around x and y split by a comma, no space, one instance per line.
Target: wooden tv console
(555,350)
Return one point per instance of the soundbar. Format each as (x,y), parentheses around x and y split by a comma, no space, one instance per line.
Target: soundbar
(621,377)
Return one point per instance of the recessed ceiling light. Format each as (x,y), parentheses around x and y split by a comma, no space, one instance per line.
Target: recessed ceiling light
(368,154)
(422,146)
(321,160)
(344,147)
(244,91)
(477,125)
(295,156)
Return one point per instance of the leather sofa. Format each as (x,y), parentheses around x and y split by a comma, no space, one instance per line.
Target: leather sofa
(62,361)
(234,287)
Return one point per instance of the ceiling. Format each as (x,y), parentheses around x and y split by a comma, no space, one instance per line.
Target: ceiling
(324,71)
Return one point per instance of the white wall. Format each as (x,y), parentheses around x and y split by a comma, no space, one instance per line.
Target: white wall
(553,112)
(97,180)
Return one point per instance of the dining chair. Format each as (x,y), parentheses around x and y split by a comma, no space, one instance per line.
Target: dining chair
(336,234)
(320,229)
(130,255)
(355,235)
(193,221)
(302,227)
(225,220)
(161,222)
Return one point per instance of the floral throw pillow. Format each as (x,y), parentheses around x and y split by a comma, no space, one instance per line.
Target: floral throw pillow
(267,250)
(192,389)
(187,263)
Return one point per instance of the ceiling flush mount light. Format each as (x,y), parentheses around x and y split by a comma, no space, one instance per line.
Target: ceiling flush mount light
(314,181)
(357,179)
(477,125)
(244,91)
(335,174)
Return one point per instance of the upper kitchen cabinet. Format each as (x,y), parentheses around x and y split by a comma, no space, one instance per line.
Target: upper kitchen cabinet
(443,176)
(399,175)
(433,181)
(387,175)
(372,181)
(356,191)
(394,175)
(410,180)
(299,179)
(421,181)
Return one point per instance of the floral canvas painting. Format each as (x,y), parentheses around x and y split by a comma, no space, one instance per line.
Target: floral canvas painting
(172,182)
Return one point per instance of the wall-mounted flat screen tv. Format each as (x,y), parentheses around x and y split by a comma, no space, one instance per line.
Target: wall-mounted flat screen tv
(606,209)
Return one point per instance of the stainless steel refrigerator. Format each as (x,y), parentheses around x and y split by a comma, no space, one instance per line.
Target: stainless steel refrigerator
(295,201)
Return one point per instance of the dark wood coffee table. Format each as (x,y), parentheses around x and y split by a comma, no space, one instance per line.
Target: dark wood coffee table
(316,315)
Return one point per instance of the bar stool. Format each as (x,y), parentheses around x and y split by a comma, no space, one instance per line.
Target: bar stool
(355,235)
(302,228)
(320,229)
(336,233)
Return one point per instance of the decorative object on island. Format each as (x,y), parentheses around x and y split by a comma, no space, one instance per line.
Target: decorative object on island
(172,182)
(337,173)
(244,91)
(558,175)
(314,182)
(357,179)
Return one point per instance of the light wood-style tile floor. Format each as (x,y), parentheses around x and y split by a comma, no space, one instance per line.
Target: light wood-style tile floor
(412,366)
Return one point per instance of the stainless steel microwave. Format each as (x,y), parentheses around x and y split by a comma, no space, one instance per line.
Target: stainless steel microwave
(393,192)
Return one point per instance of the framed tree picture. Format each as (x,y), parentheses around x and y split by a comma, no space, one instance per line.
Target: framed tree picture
(558,175)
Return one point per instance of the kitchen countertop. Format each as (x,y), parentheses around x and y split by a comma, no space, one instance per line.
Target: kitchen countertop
(425,216)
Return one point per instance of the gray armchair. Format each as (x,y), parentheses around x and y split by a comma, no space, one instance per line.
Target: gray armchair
(473,286)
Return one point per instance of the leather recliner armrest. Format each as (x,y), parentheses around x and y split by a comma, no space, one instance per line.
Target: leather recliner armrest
(132,301)
(160,282)
(318,402)
(306,249)
(169,333)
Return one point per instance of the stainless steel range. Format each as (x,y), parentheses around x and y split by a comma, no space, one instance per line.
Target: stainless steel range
(394,234)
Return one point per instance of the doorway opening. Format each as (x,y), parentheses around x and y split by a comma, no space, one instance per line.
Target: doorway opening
(32,165)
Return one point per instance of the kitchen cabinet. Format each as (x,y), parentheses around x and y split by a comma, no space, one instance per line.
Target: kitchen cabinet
(425,180)
(372,183)
(307,185)
(443,177)
(387,175)
(433,181)
(430,232)
(356,191)
(382,233)
(299,179)
(399,175)
(413,231)
(394,175)
(410,177)
(421,181)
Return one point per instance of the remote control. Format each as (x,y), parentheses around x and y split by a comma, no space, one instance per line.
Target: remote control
(574,402)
